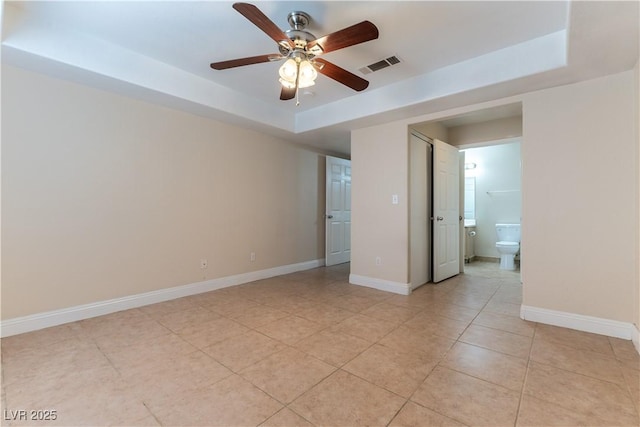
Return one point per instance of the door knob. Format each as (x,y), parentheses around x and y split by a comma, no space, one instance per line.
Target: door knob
(329,216)
(439,218)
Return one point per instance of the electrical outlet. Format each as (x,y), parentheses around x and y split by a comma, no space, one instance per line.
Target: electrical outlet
(378,260)
(203,263)
(252,256)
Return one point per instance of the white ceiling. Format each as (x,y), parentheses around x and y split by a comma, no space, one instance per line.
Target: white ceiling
(454,53)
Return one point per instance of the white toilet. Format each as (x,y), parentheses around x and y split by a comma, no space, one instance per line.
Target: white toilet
(508,244)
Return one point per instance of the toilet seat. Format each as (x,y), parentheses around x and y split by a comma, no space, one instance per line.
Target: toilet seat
(507,244)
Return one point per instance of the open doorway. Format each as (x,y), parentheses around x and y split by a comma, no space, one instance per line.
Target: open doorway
(492,198)
(500,127)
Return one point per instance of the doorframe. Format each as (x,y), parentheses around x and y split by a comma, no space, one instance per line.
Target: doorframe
(461,230)
(503,141)
(327,213)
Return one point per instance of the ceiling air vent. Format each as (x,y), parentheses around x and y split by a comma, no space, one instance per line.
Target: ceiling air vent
(377,66)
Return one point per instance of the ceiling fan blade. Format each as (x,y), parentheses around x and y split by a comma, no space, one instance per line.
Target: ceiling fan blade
(223,65)
(287,93)
(355,34)
(341,75)
(260,20)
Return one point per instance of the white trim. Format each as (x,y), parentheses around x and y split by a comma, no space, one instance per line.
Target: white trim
(38,321)
(380,284)
(596,325)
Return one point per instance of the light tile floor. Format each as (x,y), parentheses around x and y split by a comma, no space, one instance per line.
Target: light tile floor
(310,349)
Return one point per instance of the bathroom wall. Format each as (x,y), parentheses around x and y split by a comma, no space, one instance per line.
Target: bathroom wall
(498,196)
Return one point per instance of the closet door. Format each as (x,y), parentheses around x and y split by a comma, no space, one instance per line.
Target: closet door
(419,211)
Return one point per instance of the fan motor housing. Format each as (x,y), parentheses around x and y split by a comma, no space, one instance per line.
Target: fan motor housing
(298,21)
(300,39)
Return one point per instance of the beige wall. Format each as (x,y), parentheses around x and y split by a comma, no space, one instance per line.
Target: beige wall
(474,133)
(105,196)
(433,130)
(492,130)
(580,186)
(379,164)
(579,191)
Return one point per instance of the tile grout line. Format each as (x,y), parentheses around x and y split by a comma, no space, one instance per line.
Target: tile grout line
(526,376)
(624,377)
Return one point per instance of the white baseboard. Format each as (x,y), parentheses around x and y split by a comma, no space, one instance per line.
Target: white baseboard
(34,322)
(635,337)
(380,284)
(596,325)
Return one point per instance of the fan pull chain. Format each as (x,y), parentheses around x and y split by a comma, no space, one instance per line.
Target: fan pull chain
(297,81)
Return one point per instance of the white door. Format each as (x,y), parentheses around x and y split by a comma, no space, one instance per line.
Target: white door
(338,211)
(419,212)
(446,211)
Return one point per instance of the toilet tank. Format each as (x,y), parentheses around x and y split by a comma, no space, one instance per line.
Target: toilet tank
(508,232)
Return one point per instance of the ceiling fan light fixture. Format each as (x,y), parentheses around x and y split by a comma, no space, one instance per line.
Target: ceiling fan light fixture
(300,69)
(288,70)
(308,74)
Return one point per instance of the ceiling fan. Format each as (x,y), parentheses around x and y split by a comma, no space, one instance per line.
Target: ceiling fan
(301,50)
